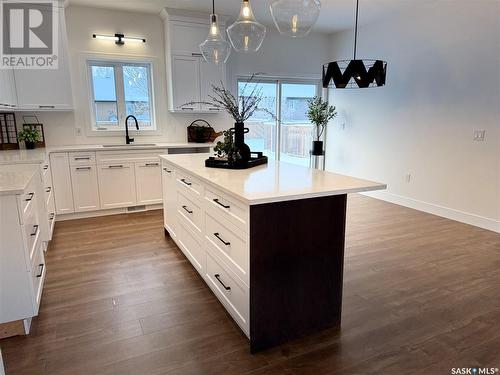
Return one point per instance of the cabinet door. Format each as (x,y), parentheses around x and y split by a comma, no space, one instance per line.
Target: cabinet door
(148,182)
(185,83)
(8,98)
(169,199)
(85,188)
(210,75)
(116,185)
(47,89)
(61,182)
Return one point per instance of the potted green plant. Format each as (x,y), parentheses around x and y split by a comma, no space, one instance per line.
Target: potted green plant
(30,136)
(319,113)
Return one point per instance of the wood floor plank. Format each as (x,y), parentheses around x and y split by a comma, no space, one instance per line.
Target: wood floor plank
(421,295)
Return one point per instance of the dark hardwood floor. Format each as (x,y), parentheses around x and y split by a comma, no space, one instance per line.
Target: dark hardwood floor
(421,296)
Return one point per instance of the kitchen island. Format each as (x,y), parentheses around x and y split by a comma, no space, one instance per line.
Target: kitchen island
(268,241)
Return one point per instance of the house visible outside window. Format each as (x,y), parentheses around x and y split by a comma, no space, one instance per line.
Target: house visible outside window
(120,89)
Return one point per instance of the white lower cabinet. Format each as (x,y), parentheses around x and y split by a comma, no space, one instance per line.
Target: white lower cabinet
(148,182)
(117,186)
(211,229)
(85,188)
(169,200)
(61,180)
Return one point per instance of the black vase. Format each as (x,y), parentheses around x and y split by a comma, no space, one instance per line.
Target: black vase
(239,141)
(317,148)
(29,145)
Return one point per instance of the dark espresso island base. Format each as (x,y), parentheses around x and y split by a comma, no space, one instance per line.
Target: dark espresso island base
(296,268)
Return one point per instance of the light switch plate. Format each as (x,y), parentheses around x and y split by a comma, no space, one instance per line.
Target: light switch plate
(479,135)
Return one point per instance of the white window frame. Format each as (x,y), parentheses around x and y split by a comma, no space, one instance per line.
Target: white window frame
(118,61)
(279,80)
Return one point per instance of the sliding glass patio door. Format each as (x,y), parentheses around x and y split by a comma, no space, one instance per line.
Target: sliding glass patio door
(287,136)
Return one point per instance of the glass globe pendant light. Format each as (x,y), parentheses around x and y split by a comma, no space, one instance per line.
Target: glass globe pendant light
(295,18)
(246,34)
(215,49)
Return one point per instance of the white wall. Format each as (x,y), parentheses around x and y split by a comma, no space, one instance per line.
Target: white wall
(443,82)
(278,56)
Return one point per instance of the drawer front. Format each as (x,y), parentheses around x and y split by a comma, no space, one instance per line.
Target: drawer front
(228,243)
(220,204)
(233,295)
(129,156)
(191,211)
(190,245)
(38,271)
(46,174)
(28,199)
(81,158)
(189,185)
(31,230)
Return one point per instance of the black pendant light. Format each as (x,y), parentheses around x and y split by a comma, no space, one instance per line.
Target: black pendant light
(343,74)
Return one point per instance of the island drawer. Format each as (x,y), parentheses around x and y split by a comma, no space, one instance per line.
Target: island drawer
(27,200)
(220,204)
(233,294)
(81,158)
(191,245)
(230,244)
(189,184)
(191,211)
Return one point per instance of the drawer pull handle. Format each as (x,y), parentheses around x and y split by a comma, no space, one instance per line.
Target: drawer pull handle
(217,276)
(46,106)
(221,240)
(30,197)
(220,204)
(152,164)
(48,189)
(187,109)
(166,170)
(115,166)
(45,167)
(187,210)
(51,216)
(185,182)
(40,273)
(35,230)
(82,158)
(83,168)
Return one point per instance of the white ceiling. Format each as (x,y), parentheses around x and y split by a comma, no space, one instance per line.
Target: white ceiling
(335,15)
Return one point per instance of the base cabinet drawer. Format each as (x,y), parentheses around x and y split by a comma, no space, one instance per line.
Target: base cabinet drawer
(233,295)
(191,211)
(38,276)
(148,182)
(116,185)
(190,245)
(85,188)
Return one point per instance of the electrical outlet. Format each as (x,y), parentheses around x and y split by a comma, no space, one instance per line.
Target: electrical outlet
(479,135)
(78,131)
(408,178)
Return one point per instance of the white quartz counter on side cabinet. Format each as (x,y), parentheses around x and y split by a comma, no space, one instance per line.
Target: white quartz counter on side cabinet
(15,179)
(273,182)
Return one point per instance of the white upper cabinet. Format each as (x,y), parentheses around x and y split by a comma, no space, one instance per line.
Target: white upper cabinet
(189,77)
(8,96)
(47,89)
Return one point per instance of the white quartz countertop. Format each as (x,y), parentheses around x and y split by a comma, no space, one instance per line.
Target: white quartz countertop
(274,182)
(39,155)
(15,178)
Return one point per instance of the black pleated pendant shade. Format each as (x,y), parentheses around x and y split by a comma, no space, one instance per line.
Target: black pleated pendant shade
(354,73)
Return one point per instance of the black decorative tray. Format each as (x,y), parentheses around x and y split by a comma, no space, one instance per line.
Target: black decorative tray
(256,158)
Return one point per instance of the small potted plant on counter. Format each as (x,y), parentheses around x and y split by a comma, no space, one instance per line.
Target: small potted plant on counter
(30,136)
(319,113)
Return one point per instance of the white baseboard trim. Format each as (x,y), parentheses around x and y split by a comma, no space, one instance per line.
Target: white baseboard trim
(449,213)
(113,211)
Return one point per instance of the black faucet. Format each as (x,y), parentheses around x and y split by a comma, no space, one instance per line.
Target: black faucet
(127,138)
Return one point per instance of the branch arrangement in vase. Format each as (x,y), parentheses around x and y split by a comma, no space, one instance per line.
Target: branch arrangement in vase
(320,113)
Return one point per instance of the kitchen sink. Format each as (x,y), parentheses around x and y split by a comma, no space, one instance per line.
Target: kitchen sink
(132,145)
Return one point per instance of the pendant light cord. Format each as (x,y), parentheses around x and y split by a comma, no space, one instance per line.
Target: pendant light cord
(213,6)
(356,29)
